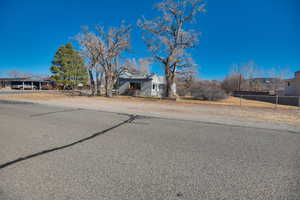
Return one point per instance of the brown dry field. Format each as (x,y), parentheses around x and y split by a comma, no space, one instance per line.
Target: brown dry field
(231,101)
(228,108)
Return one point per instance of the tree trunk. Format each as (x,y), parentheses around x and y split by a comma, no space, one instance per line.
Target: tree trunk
(170,84)
(108,84)
(98,84)
(92,83)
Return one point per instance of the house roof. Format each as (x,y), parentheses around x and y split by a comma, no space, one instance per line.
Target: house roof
(33,78)
(136,75)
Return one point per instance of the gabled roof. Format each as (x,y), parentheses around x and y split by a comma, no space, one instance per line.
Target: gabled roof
(136,75)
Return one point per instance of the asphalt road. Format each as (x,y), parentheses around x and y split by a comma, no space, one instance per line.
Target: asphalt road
(56,153)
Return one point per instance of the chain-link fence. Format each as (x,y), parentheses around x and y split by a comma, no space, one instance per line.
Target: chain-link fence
(276,100)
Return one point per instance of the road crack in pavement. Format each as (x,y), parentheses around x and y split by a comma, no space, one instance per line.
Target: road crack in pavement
(60,111)
(129,120)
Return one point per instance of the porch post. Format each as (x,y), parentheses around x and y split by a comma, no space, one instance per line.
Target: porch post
(23,85)
(40,85)
(31,85)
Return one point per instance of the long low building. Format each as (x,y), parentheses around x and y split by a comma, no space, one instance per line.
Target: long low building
(25,83)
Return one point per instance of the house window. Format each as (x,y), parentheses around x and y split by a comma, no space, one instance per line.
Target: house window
(153,86)
(288,84)
(135,86)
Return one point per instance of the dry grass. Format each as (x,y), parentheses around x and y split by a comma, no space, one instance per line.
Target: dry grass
(228,108)
(231,101)
(234,101)
(34,97)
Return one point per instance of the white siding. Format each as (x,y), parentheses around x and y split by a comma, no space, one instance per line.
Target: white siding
(154,86)
(157,90)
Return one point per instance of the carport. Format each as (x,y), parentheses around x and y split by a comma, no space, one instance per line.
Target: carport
(23,83)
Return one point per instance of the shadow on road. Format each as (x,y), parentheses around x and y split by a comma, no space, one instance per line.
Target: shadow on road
(130,120)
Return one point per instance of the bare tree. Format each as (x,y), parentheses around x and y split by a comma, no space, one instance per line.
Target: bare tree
(110,47)
(168,37)
(246,72)
(233,82)
(185,81)
(144,64)
(103,52)
(17,74)
(140,66)
(278,74)
(131,65)
(89,48)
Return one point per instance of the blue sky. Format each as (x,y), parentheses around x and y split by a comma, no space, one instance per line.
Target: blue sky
(233,31)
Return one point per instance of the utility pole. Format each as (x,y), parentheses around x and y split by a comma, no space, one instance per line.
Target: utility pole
(240,82)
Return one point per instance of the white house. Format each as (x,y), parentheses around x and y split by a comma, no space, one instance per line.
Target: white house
(292,87)
(141,84)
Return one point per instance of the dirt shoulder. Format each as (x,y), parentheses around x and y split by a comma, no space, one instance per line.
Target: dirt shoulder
(252,113)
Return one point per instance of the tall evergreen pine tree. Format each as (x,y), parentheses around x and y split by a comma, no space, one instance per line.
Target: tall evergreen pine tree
(68,67)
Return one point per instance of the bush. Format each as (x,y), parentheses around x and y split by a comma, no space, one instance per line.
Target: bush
(232,83)
(184,84)
(208,90)
(182,91)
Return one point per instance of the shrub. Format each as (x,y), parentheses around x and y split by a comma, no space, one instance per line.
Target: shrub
(208,90)
(232,83)
(182,91)
(184,83)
